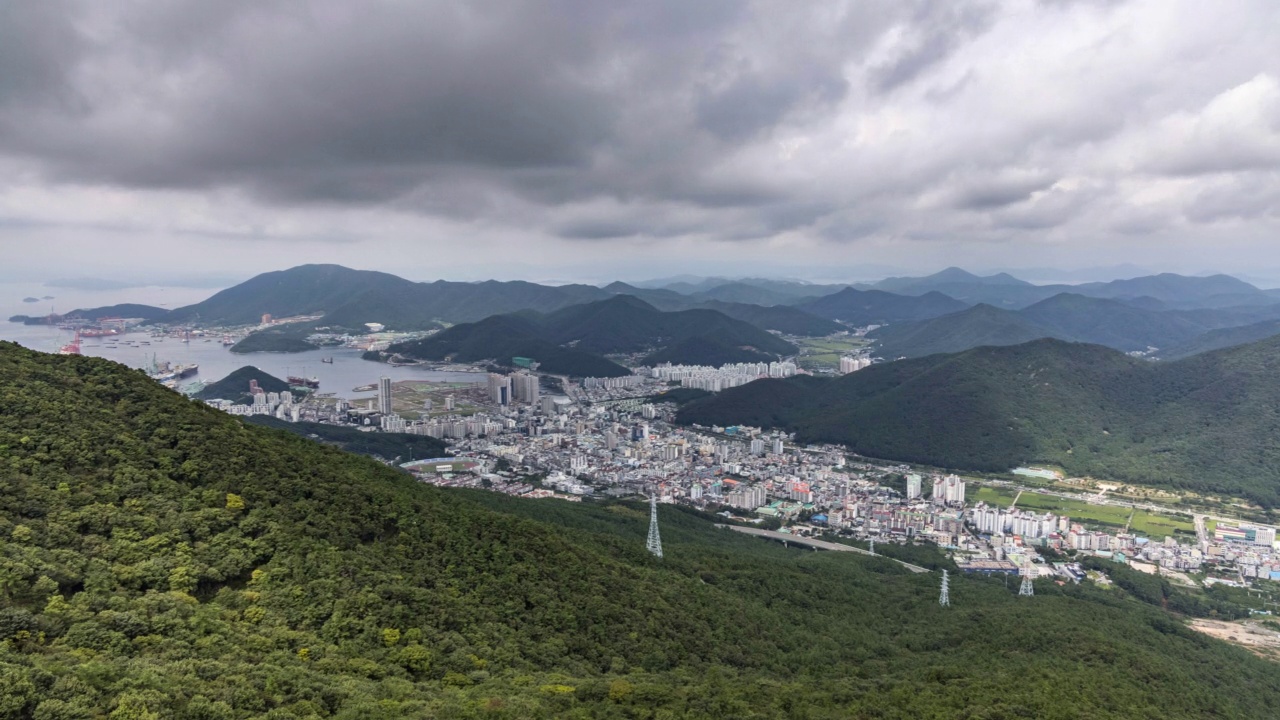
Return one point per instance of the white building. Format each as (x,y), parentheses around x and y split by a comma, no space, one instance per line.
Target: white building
(913,486)
(384,395)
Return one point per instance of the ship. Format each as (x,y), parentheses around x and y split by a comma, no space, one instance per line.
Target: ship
(327,361)
(99,333)
(163,372)
(73,347)
(295,381)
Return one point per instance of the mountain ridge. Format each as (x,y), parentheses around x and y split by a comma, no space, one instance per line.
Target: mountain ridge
(1205,422)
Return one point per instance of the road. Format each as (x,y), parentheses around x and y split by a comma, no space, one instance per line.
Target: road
(816,544)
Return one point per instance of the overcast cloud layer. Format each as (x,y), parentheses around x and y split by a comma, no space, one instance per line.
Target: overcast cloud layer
(564,139)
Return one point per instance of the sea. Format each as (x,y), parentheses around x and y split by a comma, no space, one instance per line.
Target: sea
(347,371)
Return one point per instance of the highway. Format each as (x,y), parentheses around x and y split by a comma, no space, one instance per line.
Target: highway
(790,539)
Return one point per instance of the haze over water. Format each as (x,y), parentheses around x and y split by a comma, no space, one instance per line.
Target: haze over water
(346,372)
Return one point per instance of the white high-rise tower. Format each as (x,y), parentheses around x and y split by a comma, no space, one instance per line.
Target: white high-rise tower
(384,395)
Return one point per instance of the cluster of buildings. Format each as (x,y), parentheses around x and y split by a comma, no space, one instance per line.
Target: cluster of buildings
(610,437)
(715,379)
(279,405)
(853,364)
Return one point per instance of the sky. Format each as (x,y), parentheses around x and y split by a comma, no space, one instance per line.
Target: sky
(204,142)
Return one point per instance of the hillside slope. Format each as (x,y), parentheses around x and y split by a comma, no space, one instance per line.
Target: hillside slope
(162,559)
(624,324)
(1208,422)
(571,341)
(876,307)
(974,327)
(502,337)
(235,386)
(350,298)
(1117,324)
(1222,338)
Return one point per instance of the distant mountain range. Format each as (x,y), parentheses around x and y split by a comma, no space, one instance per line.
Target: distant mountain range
(877,307)
(1068,316)
(948,311)
(350,298)
(1008,292)
(571,341)
(1206,423)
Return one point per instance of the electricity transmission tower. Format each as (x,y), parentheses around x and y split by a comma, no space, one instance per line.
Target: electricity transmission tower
(654,543)
(945,598)
(1027,589)
(873,545)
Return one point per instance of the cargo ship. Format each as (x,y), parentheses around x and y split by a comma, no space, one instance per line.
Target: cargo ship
(73,347)
(109,332)
(165,373)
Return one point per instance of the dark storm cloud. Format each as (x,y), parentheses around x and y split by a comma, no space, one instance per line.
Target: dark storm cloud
(608,122)
(38,48)
(992,193)
(361,103)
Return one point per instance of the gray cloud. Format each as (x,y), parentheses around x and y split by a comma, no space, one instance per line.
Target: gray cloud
(873,124)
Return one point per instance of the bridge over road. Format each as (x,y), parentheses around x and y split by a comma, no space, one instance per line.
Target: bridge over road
(790,539)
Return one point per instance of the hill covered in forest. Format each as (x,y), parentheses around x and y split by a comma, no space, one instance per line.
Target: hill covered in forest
(1169,290)
(571,341)
(162,559)
(500,338)
(1206,423)
(877,307)
(350,298)
(235,386)
(1073,317)
(289,338)
(383,445)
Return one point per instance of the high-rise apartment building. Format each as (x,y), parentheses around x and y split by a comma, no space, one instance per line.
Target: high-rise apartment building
(384,395)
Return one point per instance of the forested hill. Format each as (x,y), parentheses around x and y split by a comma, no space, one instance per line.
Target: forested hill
(571,340)
(235,386)
(163,560)
(502,337)
(350,298)
(1077,318)
(1208,422)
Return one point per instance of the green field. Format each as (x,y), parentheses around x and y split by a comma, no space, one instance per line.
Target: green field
(825,352)
(992,495)
(408,397)
(1144,523)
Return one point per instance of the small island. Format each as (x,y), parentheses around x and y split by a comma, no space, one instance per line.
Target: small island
(30,299)
(266,342)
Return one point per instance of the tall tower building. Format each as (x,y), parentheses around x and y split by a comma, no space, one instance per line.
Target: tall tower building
(499,389)
(384,395)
